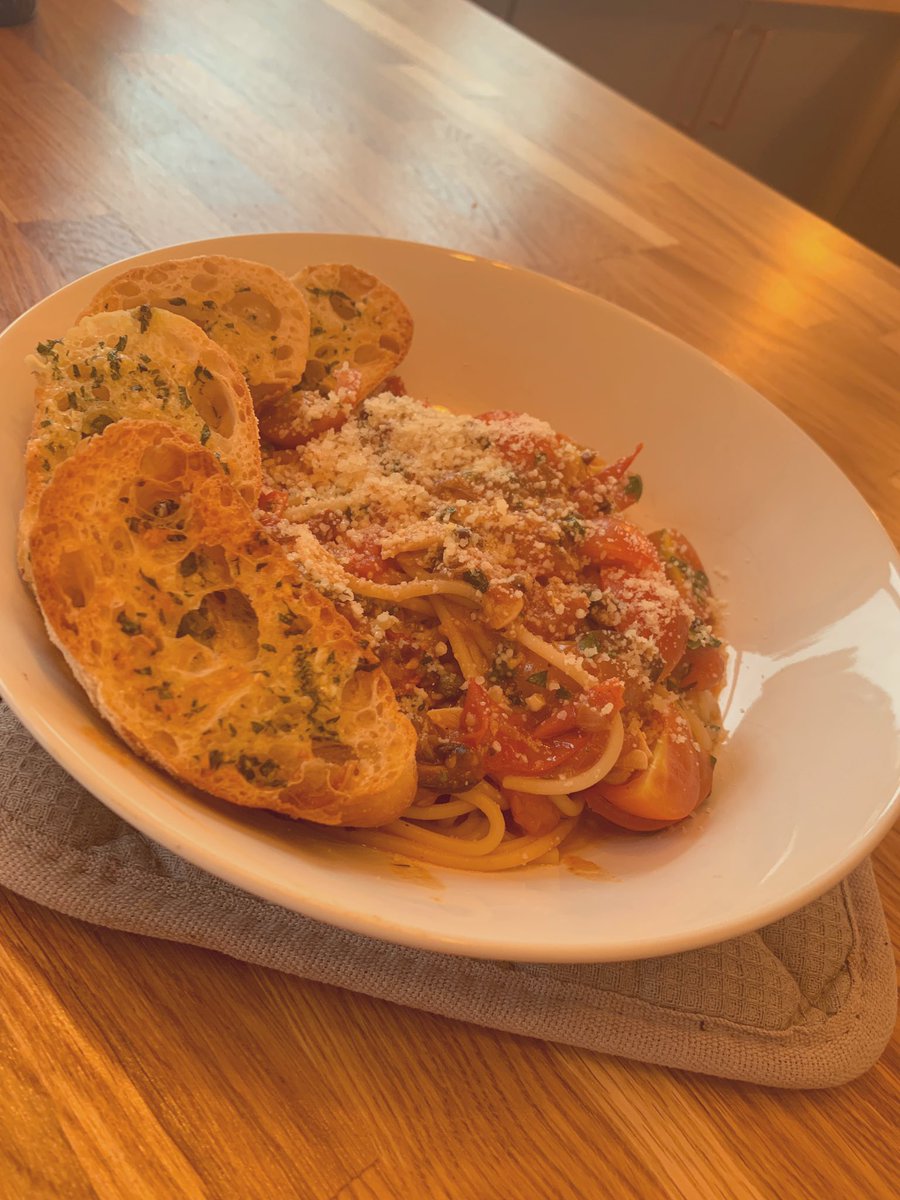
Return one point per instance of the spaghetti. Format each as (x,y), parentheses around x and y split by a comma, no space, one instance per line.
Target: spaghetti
(556,660)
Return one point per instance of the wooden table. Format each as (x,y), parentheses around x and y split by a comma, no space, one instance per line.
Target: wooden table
(134,1068)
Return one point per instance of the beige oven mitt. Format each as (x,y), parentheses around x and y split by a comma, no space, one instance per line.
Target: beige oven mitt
(807,1002)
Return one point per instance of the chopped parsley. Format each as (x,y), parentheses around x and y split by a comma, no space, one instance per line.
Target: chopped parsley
(573,527)
(196,624)
(128,626)
(589,643)
(477,579)
(251,767)
(701,637)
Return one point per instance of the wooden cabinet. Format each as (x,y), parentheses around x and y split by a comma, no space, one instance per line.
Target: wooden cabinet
(500,8)
(660,53)
(792,91)
(801,95)
(870,210)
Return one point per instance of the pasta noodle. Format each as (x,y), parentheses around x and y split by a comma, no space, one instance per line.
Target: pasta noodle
(515,852)
(555,657)
(468,656)
(398,592)
(556,660)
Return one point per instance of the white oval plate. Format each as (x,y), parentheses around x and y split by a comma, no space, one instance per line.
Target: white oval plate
(807,782)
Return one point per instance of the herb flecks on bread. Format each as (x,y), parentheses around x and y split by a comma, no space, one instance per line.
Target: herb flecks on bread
(145,364)
(253,311)
(355,319)
(194,636)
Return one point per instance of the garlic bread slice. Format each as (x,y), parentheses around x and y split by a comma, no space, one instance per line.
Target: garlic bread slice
(196,639)
(354,318)
(145,364)
(253,311)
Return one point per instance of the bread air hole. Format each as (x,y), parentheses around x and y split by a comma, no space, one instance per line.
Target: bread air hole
(343,306)
(282,352)
(122,544)
(163,744)
(314,374)
(75,578)
(190,312)
(356,695)
(157,500)
(255,309)
(129,288)
(226,622)
(165,462)
(206,566)
(354,282)
(203,283)
(332,752)
(366,354)
(386,342)
(213,403)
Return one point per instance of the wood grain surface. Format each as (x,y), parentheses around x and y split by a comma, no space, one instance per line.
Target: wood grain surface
(136,1068)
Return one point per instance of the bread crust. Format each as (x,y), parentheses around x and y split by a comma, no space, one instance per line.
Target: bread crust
(142,364)
(253,311)
(194,636)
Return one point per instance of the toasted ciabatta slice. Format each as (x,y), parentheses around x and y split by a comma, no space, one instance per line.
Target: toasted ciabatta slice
(193,635)
(354,318)
(143,364)
(253,311)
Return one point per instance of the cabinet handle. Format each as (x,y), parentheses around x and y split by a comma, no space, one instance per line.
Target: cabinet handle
(723,121)
(690,123)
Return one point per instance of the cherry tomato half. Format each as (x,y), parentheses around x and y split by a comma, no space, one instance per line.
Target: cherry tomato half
(508,747)
(617,816)
(670,788)
(684,568)
(703,669)
(535,815)
(610,541)
(644,610)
